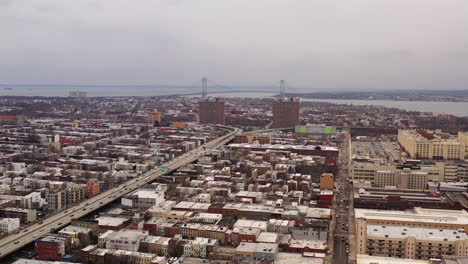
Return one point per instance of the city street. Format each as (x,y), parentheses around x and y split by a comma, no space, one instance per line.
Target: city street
(341,206)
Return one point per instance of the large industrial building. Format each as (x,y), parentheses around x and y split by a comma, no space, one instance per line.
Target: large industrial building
(417,234)
(422,144)
(436,172)
(211,112)
(286,112)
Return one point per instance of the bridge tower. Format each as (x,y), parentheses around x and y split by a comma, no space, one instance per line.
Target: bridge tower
(204,90)
(281,88)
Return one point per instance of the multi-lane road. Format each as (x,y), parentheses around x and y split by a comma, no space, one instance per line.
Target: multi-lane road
(16,241)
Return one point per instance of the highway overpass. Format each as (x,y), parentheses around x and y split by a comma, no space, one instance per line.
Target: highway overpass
(27,235)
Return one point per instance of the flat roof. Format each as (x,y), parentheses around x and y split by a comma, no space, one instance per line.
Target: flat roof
(244,223)
(256,247)
(71,229)
(111,220)
(34,261)
(366,259)
(128,234)
(420,233)
(457,217)
(267,237)
(313,212)
(281,146)
(294,258)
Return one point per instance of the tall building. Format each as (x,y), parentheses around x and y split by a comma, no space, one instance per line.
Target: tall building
(463,139)
(421,144)
(154,117)
(56,200)
(92,189)
(286,113)
(403,179)
(211,112)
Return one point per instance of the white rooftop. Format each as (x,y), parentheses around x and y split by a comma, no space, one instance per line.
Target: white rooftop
(366,259)
(267,237)
(294,258)
(458,217)
(420,233)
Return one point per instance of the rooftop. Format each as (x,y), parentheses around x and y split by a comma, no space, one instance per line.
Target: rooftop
(458,217)
(111,221)
(129,234)
(420,233)
(366,259)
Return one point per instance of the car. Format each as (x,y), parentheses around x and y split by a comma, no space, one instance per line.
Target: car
(59,223)
(40,223)
(100,202)
(16,242)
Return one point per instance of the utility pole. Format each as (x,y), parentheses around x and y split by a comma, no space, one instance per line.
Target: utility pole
(204,87)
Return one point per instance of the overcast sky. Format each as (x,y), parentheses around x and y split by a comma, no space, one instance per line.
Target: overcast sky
(381,44)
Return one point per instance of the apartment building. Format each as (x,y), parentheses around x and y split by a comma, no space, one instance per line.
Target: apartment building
(92,189)
(24,215)
(368,171)
(433,144)
(154,117)
(143,199)
(9,225)
(75,194)
(250,138)
(56,200)
(52,247)
(410,234)
(286,112)
(126,239)
(403,179)
(211,112)
(414,242)
(436,172)
(463,139)
(199,247)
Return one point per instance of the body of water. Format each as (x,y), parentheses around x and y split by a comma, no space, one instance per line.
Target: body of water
(453,108)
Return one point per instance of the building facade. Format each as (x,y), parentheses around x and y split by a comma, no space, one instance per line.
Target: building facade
(433,144)
(211,112)
(9,225)
(417,234)
(286,113)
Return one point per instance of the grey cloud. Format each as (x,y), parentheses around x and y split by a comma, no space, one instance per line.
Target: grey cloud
(327,44)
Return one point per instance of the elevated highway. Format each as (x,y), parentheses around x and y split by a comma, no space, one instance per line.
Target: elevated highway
(16,241)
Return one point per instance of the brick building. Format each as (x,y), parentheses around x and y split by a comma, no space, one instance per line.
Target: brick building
(211,112)
(286,113)
(52,247)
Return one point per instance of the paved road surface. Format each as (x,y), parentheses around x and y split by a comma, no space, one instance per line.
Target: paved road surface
(14,242)
(341,207)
